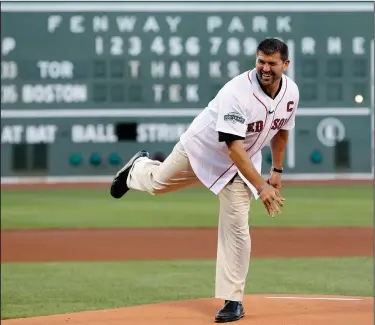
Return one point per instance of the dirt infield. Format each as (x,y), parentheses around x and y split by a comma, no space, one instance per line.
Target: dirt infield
(259,310)
(151,244)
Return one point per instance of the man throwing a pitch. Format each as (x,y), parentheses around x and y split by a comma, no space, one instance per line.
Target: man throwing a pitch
(222,149)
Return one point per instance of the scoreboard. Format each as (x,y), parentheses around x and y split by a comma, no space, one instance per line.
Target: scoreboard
(83,83)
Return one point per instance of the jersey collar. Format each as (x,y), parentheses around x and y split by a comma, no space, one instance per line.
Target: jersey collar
(260,92)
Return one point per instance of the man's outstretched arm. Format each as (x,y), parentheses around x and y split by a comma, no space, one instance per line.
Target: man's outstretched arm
(278,145)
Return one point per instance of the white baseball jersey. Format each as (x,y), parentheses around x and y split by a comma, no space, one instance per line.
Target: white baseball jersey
(240,108)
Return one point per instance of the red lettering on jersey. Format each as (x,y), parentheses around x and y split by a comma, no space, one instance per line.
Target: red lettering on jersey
(258,126)
(278,124)
(255,126)
(250,127)
(275,124)
(289,106)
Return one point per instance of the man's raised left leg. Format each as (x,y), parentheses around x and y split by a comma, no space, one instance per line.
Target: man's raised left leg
(146,175)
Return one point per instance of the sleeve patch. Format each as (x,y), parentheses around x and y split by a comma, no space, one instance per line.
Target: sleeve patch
(234,117)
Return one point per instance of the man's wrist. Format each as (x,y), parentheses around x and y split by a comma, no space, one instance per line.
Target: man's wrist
(277,169)
(260,186)
(260,189)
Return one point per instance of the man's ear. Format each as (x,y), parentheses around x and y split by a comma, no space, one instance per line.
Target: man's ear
(286,64)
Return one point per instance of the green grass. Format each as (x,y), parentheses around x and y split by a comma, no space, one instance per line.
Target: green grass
(194,207)
(52,288)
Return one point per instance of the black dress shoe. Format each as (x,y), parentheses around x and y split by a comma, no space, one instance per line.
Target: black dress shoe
(119,187)
(232,311)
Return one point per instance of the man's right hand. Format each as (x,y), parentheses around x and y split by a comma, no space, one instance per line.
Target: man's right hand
(269,195)
(271,198)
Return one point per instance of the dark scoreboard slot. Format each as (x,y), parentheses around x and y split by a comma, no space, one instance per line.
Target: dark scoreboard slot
(126,131)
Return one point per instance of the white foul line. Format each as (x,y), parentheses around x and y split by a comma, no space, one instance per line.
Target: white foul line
(317,298)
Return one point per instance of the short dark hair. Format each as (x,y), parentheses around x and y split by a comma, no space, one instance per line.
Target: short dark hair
(270,46)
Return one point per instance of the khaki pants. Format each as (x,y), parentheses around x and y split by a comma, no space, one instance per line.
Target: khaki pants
(233,248)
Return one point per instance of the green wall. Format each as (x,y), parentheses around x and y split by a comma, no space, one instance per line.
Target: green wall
(84,79)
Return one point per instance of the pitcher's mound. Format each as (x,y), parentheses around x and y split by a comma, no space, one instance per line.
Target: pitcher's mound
(259,309)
